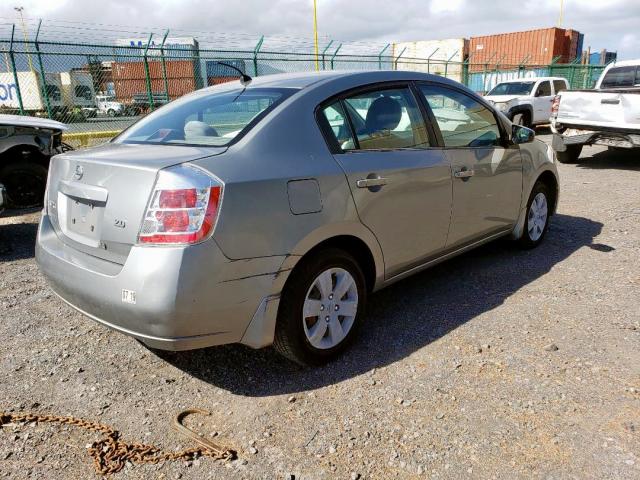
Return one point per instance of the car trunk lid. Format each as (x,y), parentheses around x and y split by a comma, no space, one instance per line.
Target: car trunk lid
(97,198)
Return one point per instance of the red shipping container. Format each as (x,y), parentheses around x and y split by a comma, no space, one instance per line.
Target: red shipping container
(129,78)
(535,47)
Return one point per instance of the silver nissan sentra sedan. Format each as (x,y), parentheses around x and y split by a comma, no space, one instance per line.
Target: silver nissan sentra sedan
(264,212)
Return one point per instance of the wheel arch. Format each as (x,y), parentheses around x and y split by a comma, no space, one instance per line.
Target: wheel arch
(528,109)
(355,239)
(551,181)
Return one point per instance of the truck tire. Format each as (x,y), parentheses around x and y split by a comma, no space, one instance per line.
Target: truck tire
(523,119)
(111,112)
(25,183)
(570,155)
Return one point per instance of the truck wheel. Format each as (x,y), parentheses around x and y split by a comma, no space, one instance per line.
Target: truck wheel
(523,119)
(570,155)
(111,112)
(321,307)
(25,183)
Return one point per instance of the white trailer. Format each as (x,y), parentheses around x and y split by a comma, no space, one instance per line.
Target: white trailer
(33,98)
(77,89)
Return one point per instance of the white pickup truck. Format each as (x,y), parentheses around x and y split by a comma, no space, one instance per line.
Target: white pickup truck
(527,101)
(607,115)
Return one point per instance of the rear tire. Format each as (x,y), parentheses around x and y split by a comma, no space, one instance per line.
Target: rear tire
(25,183)
(536,223)
(309,339)
(570,155)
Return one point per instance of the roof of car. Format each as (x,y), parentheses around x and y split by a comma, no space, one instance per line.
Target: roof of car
(305,79)
(626,63)
(37,122)
(531,79)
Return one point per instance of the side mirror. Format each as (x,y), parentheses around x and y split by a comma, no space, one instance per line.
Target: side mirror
(520,134)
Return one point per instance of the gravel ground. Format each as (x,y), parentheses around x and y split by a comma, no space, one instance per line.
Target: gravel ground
(497,364)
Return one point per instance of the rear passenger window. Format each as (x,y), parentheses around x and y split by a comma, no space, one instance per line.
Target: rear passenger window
(559,86)
(621,77)
(462,120)
(337,120)
(544,89)
(385,120)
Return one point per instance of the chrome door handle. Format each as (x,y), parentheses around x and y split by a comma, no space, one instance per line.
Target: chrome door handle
(371,182)
(464,173)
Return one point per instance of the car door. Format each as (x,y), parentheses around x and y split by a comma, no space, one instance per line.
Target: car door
(401,186)
(487,176)
(542,102)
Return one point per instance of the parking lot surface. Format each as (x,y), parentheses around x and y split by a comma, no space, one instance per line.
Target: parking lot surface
(501,363)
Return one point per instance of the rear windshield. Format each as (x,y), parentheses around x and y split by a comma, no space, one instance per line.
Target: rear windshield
(512,88)
(211,120)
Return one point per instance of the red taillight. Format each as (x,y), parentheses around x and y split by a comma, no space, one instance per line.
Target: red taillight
(555,106)
(182,216)
(178,198)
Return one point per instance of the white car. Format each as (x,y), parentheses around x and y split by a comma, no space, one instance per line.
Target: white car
(108,106)
(608,115)
(527,101)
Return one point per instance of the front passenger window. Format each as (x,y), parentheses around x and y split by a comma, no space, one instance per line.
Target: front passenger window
(463,121)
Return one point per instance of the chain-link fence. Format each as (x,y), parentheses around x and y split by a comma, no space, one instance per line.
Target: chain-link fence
(101,89)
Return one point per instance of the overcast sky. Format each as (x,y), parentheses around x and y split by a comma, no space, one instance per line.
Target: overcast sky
(610,24)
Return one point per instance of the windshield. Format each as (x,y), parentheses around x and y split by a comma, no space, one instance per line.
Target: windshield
(214,119)
(512,88)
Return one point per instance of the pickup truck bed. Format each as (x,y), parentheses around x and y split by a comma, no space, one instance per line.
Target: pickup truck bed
(602,116)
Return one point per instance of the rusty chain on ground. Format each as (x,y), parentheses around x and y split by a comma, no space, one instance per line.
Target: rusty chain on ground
(110,454)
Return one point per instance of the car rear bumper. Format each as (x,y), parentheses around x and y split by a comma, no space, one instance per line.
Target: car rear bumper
(572,136)
(185,297)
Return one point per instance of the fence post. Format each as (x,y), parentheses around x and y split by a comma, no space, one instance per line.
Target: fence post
(15,72)
(484,75)
(45,90)
(256,50)
(522,64)
(334,55)
(499,62)
(429,59)
(395,62)
(446,65)
(465,70)
(380,56)
(147,74)
(324,52)
(164,66)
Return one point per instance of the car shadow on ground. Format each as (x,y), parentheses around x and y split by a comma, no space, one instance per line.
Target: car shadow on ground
(17,240)
(619,159)
(401,319)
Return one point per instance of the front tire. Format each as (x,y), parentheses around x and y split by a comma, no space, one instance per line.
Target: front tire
(522,119)
(570,155)
(536,222)
(320,308)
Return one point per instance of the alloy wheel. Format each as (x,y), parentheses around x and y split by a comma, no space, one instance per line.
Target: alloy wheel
(537,216)
(330,308)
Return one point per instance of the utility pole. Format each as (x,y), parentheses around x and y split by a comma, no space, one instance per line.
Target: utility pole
(561,17)
(315,31)
(24,35)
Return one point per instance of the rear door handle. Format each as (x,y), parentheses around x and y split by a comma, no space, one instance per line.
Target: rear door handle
(371,182)
(464,173)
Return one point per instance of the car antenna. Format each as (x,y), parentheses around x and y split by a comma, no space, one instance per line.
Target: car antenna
(244,78)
